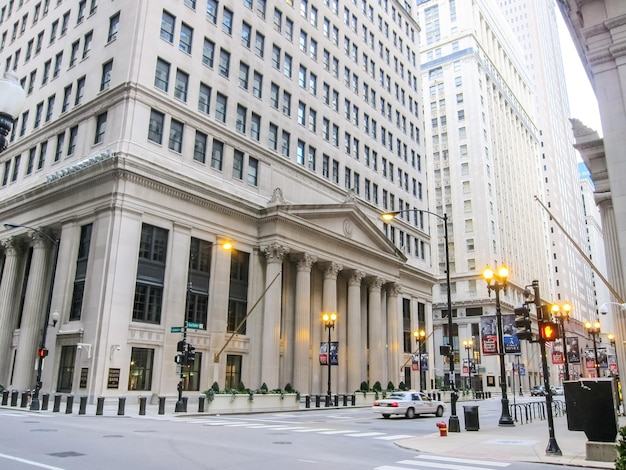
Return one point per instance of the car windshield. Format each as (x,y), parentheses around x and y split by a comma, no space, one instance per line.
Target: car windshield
(399,396)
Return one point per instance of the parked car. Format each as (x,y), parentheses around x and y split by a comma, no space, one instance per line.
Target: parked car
(557,391)
(409,404)
(538,391)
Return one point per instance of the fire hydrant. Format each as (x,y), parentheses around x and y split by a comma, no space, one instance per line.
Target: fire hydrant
(443,429)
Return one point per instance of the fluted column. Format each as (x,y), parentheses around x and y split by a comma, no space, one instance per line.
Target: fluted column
(329,299)
(33,314)
(356,353)
(271,316)
(9,289)
(375,328)
(302,365)
(393,334)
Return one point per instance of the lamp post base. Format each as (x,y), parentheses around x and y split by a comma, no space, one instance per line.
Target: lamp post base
(505,417)
(453,422)
(180,407)
(553,447)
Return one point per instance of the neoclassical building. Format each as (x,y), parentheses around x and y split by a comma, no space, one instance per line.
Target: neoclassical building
(155,131)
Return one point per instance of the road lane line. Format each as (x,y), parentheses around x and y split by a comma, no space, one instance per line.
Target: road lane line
(458,460)
(366,434)
(29,462)
(391,438)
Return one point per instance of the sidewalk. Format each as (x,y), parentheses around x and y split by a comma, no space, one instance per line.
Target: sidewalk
(522,442)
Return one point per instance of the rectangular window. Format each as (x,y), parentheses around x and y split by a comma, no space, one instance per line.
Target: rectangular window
(155,128)
(257,85)
(176,136)
(186,38)
(217,155)
(167,26)
(224,67)
(238,164)
(204,98)
(105,80)
(16,167)
(199,147)
(181,84)
(208,53)
(140,372)
(114,24)
(227,21)
(211,11)
(221,107)
(244,72)
(71,143)
(238,292)
(87,44)
(101,124)
(59,146)
(150,274)
(80,89)
(81,272)
(255,127)
(241,122)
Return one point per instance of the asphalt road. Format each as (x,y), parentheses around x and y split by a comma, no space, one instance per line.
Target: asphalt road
(343,439)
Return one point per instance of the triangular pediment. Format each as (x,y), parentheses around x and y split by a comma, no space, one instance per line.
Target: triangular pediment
(333,225)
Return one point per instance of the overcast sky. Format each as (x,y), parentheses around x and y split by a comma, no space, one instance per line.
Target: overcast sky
(582,100)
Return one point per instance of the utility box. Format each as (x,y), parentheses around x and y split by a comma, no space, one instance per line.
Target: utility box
(591,407)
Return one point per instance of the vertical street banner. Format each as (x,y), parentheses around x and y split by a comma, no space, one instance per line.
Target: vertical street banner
(415,362)
(572,350)
(334,360)
(424,362)
(590,362)
(558,357)
(509,332)
(488,335)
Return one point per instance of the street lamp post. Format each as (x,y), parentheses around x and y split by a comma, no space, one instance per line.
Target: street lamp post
(497,282)
(42,352)
(468,344)
(329,323)
(594,330)
(453,423)
(12,101)
(561,313)
(420,336)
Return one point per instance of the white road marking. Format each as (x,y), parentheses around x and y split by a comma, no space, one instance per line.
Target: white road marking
(391,438)
(30,462)
(458,460)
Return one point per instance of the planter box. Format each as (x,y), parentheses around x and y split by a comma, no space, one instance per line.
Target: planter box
(366,399)
(241,403)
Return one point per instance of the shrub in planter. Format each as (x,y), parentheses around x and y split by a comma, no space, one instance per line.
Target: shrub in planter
(620,463)
(288,388)
(377,387)
(401,386)
(264,388)
(390,387)
(364,387)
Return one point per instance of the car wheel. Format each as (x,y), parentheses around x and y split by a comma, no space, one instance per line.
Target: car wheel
(439,412)
(410,413)
(386,416)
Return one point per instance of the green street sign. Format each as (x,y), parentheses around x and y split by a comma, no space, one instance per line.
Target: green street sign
(194,326)
(177,329)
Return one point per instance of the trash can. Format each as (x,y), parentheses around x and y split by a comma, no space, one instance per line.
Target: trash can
(471,418)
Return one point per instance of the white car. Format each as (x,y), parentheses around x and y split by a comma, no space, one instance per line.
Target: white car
(409,404)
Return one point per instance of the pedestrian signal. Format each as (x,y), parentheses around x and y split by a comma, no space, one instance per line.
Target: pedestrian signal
(549,331)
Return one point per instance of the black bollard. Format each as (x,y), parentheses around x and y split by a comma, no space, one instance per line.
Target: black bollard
(307,401)
(14,395)
(82,407)
(69,404)
(56,407)
(142,406)
(353,398)
(201,403)
(5,397)
(45,398)
(185,404)
(317,401)
(345,400)
(121,405)
(100,406)
(24,401)
(161,405)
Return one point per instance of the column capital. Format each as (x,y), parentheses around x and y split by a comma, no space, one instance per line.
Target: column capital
(40,239)
(304,261)
(374,282)
(331,269)
(275,252)
(394,289)
(355,277)
(12,245)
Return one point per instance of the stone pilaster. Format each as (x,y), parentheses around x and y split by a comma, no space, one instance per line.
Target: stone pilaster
(302,364)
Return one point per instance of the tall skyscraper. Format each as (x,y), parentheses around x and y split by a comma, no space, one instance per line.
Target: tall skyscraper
(486,164)
(156,130)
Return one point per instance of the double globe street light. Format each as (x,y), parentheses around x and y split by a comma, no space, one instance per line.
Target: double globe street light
(12,99)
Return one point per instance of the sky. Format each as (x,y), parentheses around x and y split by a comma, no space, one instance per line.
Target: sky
(582,100)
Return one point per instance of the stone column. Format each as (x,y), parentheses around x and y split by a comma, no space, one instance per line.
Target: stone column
(9,289)
(329,304)
(356,353)
(394,335)
(33,315)
(375,328)
(271,315)
(302,368)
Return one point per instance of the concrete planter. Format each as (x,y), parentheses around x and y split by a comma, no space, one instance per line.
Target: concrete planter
(366,399)
(241,403)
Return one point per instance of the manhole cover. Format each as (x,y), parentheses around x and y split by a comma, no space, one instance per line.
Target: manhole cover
(30,422)
(281,442)
(43,430)
(68,453)
(114,435)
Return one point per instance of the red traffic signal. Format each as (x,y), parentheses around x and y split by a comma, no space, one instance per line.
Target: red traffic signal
(549,331)
(43,352)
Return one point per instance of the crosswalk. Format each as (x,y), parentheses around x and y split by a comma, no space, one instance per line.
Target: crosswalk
(295,428)
(429,461)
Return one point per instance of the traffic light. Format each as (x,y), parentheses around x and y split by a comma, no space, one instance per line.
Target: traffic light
(549,331)
(523,323)
(178,359)
(191,354)
(43,352)
(180,347)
